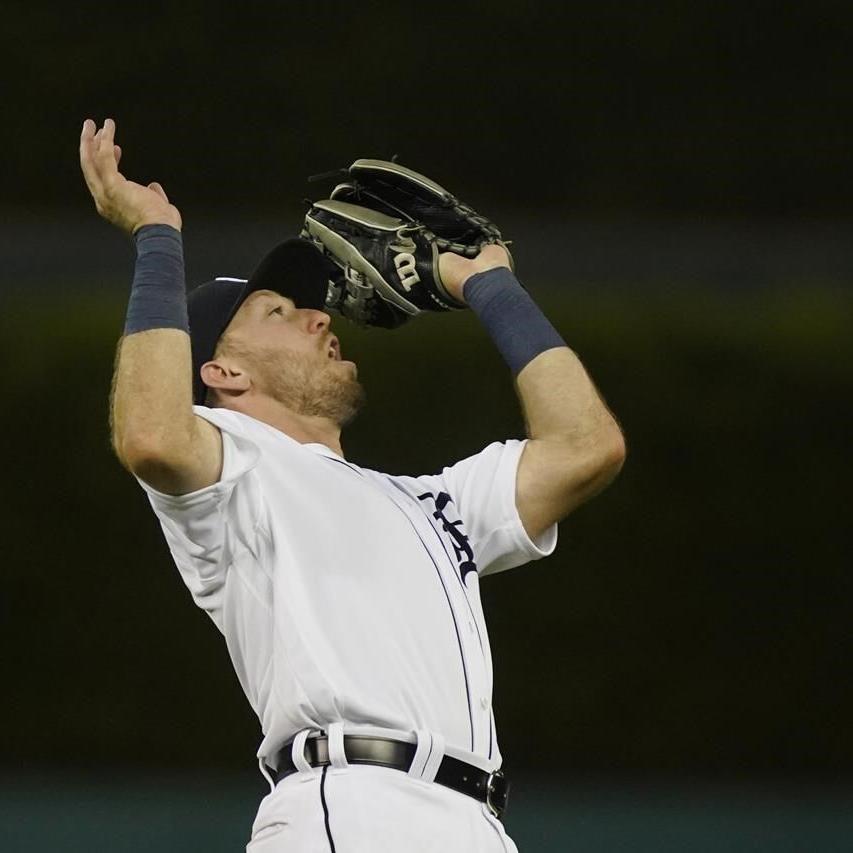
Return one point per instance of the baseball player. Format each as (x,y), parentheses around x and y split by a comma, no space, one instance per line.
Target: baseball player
(348,598)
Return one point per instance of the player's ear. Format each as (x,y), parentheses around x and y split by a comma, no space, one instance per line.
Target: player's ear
(225,376)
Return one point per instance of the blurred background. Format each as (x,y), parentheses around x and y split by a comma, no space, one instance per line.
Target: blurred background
(677,182)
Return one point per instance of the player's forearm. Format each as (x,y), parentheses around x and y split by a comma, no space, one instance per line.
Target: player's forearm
(152,388)
(560,402)
(556,393)
(577,440)
(577,446)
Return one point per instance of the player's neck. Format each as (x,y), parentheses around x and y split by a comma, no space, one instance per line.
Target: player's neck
(306,429)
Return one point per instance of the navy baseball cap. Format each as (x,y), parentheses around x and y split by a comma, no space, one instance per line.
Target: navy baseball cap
(294,268)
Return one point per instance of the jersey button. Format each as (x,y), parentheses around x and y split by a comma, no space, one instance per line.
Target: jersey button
(484,703)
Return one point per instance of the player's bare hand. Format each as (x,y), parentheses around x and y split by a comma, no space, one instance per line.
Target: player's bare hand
(456,270)
(118,200)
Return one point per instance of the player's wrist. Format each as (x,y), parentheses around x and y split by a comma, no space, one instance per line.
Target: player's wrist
(174,222)
(456,271)
(145,235)
(158,297)
(513,320)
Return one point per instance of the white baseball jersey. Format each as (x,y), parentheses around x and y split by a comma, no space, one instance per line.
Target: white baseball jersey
(348,595)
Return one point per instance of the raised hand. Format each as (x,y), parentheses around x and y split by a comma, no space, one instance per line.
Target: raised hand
(120,201)
(456,270)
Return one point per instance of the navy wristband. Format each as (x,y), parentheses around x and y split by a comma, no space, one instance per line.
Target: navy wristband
(513,320)
(158,298)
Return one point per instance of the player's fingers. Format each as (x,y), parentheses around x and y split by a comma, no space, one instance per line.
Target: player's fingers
(154,185)
(117,153)
(108,133)
(88,130)
(87,135)
(87,156)
(105,149)
(96,141)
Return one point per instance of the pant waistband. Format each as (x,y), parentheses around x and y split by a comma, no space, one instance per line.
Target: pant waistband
(489,788)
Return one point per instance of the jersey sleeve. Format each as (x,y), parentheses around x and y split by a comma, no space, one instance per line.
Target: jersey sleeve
(482,487)
(206,528)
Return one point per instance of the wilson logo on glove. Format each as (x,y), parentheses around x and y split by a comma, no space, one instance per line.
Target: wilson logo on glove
(405,264)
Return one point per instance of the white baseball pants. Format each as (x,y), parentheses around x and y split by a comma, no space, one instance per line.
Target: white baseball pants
(361,808)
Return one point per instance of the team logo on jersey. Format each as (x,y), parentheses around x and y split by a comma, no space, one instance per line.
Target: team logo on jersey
(461,547)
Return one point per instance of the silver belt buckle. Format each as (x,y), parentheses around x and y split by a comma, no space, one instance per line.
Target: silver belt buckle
(497,793)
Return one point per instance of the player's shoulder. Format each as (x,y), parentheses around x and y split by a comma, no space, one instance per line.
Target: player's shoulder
(255,436)
(221,417)
(489,455)
(239,437)
(234,423)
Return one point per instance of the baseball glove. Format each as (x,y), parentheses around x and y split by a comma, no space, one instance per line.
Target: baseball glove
(385,228)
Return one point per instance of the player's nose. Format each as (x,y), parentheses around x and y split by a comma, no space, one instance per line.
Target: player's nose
(318,321)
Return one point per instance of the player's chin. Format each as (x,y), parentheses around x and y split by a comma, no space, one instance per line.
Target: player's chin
(343,363)
(349,399)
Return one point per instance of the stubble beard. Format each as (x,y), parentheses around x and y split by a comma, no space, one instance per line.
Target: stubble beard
(317,390)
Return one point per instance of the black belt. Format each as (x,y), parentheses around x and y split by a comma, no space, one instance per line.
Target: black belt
(489,788)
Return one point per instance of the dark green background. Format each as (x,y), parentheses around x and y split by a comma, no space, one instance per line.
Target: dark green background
(678,181)
(672,108)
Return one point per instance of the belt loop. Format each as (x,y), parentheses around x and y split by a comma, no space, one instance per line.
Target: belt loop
(337,756)
(297,752)
(437,754)
(421,753)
